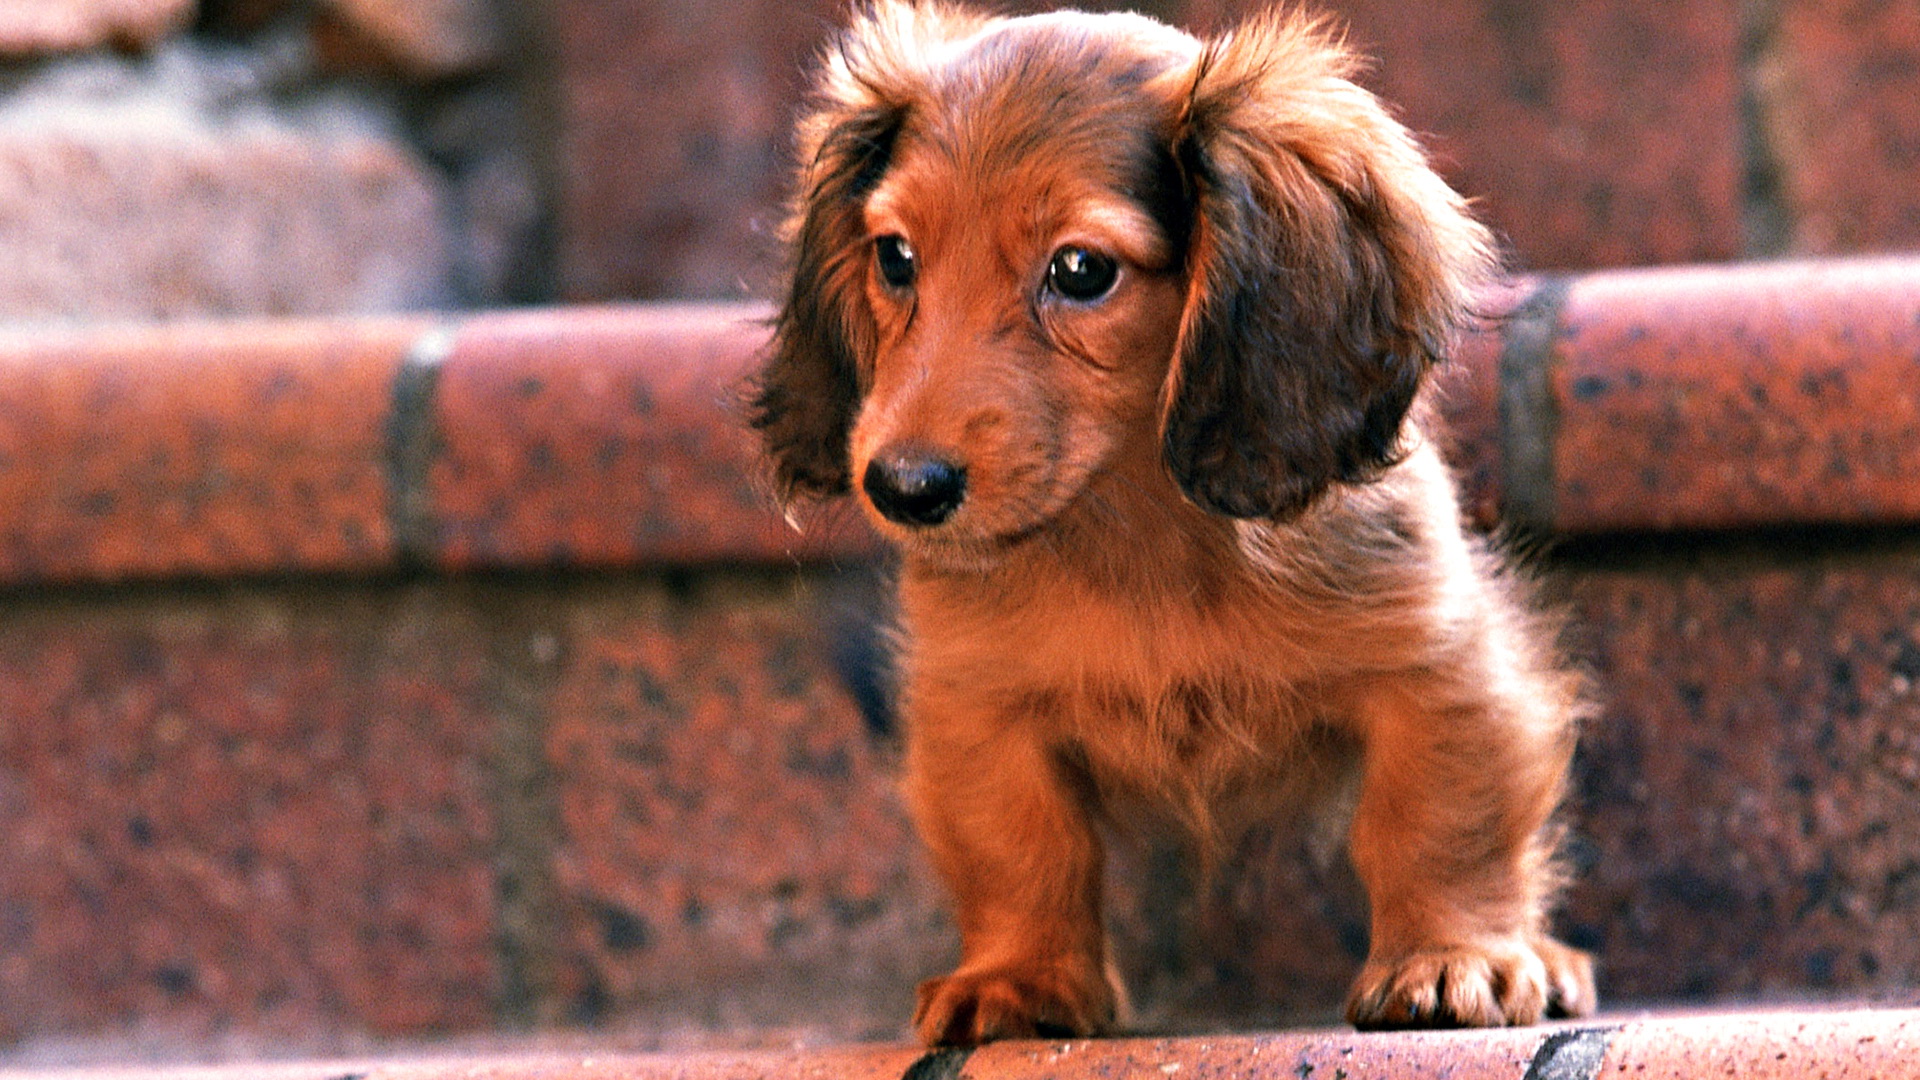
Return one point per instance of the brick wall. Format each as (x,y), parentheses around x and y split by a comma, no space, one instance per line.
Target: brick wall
(1593,132)
(174,157)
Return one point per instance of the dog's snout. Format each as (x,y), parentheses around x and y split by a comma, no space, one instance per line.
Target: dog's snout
(914,488)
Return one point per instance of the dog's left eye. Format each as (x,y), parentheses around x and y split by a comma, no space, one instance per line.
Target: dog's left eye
(895,257)
(1079,274)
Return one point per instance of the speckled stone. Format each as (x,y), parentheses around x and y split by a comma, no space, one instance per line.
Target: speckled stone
(732,851)
(675,121)
(421,39)
(257,816)
(1593,134)
(1779,1046)
(1714,398)
(1467,388)
(1744,801)
(1480,1055)
(233,449)
(609,437)
(130,204)
(1842,1045)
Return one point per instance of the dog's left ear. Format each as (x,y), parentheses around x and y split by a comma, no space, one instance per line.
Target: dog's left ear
(1329,267)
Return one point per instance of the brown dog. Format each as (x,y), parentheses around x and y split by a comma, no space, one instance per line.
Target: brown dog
(1122,336)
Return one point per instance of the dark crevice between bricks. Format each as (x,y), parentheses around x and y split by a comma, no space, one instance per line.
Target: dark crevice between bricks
(413,439)
(527,651)
(1529,415)
(939,1065)
(1570,1055)
(1766,224)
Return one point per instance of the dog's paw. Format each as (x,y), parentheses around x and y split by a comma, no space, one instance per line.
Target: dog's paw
(968,1008)
(1517,982)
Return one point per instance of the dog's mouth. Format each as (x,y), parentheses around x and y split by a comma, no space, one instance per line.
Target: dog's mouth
(982,534)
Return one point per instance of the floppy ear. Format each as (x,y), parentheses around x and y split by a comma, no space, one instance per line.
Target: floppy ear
(808,390)
(807,393)
(1328,269)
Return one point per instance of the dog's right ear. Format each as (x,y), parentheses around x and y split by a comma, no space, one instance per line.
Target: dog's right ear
(807,393)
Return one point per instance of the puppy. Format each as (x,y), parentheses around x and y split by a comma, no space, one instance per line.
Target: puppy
(1121,337)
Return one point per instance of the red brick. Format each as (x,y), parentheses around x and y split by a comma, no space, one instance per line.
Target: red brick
(1840,90)
(1743,802)
(1469,396)
(675,125)
(263,815)
(196,449)
(1766,395)
(731,844)
(603,437)
(1592,134)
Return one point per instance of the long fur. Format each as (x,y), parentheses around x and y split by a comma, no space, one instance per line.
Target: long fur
(1208,561)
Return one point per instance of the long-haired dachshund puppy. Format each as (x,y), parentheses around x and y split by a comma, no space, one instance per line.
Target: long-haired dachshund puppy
(1122,336)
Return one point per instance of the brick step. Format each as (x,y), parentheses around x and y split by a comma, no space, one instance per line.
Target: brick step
(1722,397)
(1756,1046)
(411,676)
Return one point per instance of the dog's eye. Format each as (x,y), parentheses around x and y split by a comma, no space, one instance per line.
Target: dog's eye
(1079,274)
(895,258)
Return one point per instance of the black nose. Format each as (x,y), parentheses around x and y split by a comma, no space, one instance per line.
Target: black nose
(914,488)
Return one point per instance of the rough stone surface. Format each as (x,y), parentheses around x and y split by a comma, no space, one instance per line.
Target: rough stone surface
(731,844)
(34,27)
(151,190)
(140,225)
(600,437)
(1594,133)
(1842,1045)
(1854,1045)
(1479,1055)
(1744,806)
(482,139)
(255,815)
(236,449)
(1770,395)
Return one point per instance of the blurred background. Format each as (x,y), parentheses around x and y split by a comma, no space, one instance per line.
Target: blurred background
(176,157)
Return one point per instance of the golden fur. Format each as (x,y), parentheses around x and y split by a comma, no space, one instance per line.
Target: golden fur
(1189,549)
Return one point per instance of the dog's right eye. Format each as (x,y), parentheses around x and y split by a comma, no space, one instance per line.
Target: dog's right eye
(895,258)
(1081,275)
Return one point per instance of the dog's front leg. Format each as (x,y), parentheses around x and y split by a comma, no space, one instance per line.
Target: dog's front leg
(1451,840)
(1010,835)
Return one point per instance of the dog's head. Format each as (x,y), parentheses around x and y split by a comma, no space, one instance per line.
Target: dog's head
(1030,251)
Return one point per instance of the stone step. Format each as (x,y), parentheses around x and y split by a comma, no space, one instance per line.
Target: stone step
(1752,1045)
(412,676)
